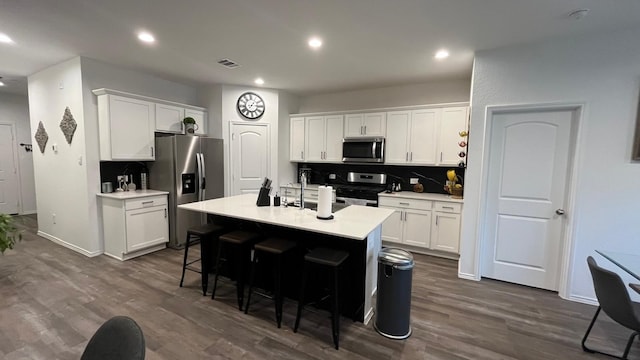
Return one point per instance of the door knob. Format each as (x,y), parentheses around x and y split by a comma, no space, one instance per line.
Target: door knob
(560,211)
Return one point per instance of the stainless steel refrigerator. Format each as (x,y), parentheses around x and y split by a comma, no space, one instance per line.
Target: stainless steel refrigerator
(190,168)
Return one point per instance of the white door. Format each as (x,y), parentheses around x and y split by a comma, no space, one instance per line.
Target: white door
(423,136)
(201,120)
(249,157)
(334,130)
(132,126)
(453,121)
(147,227)
(445,232)
(353,125)
(417,228)
(392,227)
(9,189)
(397,140)
(374,124)
(296,139)
(527,179)
(169,118)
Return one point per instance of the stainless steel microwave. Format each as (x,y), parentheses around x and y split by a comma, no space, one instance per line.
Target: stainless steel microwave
(363,150)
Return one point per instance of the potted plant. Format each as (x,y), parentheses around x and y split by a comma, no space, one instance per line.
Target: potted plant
(190,125)
(9,234)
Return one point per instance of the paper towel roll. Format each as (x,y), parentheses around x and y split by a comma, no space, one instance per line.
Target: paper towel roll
(324,201)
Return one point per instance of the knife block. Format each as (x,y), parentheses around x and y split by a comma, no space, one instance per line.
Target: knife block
(263,197)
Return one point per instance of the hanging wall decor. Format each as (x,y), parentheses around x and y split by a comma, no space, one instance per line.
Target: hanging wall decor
(41,137)
(68,125)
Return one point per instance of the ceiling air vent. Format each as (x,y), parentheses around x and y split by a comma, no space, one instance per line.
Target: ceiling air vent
(228,63)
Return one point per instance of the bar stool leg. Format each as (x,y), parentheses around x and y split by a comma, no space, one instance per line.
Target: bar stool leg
(184,261)
(335,318)
(301,297)
(205,262)
(251,280)
(278,291)
(215,281)
(240,273)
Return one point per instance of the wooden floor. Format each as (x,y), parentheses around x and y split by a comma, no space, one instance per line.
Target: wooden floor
(52,300)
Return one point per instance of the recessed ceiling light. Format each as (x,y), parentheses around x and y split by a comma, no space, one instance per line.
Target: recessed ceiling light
(315,43)
(146,37)
(1,83)
(4,38)
(258,81)
(442,54)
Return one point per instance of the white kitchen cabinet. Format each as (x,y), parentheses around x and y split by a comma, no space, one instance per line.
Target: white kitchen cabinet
(365,125)
(323,138)
(454,120)
(134,226)
(126,128)
(296,139)
(422,225)
(411,137)
(200,116)
(169,118)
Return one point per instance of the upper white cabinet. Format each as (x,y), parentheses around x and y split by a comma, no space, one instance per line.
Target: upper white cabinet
(126,128)
(169,118)
(323,138)
(200,117)
(365,125)
(454,120)
(411,136)
(296,139)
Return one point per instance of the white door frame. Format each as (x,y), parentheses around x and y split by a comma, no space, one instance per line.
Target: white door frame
(229,167)
(567,248)
(14,145)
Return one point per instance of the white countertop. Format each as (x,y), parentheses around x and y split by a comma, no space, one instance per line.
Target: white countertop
(123,195)
(421,196)
(353,222)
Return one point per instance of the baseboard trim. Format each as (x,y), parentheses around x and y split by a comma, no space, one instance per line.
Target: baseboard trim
(583,300)
(69,245)
(29,212)
(467,276)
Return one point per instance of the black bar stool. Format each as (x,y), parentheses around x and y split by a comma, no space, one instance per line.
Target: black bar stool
(204,235)
(329,259)
(278,248)
(241,240)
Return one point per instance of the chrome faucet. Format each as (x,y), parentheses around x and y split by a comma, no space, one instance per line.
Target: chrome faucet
(303,184)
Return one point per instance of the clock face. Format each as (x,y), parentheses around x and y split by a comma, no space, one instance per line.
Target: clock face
(250,105)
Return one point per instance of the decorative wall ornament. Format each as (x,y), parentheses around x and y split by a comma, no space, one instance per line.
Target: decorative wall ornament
(68,125)
(41,137)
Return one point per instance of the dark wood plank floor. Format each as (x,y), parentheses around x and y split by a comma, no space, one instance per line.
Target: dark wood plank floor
(52,300)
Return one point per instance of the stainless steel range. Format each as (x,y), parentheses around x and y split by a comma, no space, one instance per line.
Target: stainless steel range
(361,189)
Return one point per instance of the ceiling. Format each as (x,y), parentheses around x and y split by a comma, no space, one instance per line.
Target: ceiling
(367,43)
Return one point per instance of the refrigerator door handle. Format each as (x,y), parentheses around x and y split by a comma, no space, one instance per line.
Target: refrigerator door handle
(203,176)
(199,171)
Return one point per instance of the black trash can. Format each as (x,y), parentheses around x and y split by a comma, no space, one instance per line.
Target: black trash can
(393,305)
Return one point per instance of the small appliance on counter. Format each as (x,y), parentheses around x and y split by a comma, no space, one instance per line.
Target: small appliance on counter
(263,195)
(107,187)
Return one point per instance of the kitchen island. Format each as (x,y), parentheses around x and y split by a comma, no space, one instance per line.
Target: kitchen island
(356,229)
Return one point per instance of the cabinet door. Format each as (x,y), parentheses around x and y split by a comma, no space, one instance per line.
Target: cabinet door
(392,227)
(375,124)
(131,123)
(397,141)
(453,121)
(201,120)
(353,125)
(146,227)
(334,127)
(445,233)
(417,228)
(169,118)
(423,136)
(296,139)
(314,138)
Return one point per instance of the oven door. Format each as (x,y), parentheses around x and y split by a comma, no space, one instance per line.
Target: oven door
(369,150)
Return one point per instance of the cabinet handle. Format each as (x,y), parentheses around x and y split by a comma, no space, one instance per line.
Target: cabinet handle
(411,156)
(147,202)
(165,213)
(360,129)
(437,220)
(365,129)
(440,156)
(407,156)
(152,151)
(302,155)
(404,203)
(448,207)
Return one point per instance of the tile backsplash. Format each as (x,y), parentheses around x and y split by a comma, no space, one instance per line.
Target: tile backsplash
(432,177)
(109,170)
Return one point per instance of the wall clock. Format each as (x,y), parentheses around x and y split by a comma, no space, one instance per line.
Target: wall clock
(250,105)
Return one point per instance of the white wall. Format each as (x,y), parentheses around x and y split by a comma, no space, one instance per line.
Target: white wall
(405,95)
(15,109)
(286,169)
(61,178)
(229,114)
(602,72)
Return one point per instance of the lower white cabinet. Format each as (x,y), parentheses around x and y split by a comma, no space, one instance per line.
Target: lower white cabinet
(134,226)
(422,224)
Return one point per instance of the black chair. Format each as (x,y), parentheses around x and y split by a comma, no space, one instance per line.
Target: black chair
(328,259)
(204,235)
(615,301)
(277,248)
(241,242)
(120,338)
